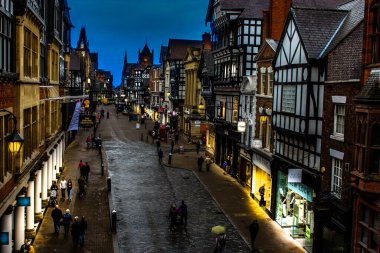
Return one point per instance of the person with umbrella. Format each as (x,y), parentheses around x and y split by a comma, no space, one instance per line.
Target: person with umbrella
(220,242)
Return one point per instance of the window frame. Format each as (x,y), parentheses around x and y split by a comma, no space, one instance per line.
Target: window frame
(336,176)
(288,98)
(337,122)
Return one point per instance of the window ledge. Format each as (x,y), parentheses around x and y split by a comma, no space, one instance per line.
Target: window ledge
(337,138)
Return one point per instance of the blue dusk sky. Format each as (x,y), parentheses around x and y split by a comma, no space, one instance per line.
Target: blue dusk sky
(116,26)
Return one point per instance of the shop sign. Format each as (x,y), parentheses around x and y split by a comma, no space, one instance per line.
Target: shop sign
(295,175)
(241,126)
(197,123)
(261,162)
(86,121)
(244,154)
(257,143)
(302,190)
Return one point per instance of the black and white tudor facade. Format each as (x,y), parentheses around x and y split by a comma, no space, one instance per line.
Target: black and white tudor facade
(297,118)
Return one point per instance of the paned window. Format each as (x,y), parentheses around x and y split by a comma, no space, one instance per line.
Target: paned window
(336,177)
(339,116)
(42,122)
(288,98)
(5,155)
(263,81)
(369,230)
(34,128)
(235,110)
(30,54)
(27,134)
(270,81)
(5,43)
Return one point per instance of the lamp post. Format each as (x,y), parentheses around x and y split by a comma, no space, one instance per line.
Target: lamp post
(14,140)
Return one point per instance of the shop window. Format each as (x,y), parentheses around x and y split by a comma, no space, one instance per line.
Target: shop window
(336,177)
(369,230)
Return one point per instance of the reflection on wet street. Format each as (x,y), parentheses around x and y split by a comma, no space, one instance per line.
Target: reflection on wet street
(142,194)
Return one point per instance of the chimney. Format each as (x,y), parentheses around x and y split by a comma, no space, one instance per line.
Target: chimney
(206,39)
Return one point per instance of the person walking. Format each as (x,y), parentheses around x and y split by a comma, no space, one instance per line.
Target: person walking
(75,232)
(86,171)
(198,146)
(220,243)
(172,216)
(56,215)
(69,189)
(53,194)
(67,219)
(253,230)
(158,144)
(183,212)
(80,165)
(63,185)
(88,141)
(27,247)
(200,163)
(160,156)
(81,184)
(83,228)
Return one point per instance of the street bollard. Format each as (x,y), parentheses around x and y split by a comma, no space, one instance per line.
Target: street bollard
(113,220)
(102,169)
(109,184)
(170,159)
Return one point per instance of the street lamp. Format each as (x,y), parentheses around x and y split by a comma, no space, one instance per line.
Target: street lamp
(14,140)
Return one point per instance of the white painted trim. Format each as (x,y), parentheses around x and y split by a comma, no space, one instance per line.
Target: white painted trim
(339,99)
(337,154)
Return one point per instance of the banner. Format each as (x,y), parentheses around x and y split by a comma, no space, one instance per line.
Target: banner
(74,123)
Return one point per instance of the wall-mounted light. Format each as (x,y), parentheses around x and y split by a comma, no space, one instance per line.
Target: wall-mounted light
(14,140)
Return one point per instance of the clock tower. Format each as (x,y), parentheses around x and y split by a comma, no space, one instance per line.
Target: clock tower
(146,56)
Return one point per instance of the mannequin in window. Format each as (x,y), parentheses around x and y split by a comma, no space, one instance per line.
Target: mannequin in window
(291,204)
(262,192)
(283,202)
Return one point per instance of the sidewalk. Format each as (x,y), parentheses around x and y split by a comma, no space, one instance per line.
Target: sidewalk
(94,206)
(233,199)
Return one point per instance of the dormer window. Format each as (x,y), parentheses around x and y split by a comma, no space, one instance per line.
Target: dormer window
(375,36)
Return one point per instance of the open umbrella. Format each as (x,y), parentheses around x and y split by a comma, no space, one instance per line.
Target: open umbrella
(218,230)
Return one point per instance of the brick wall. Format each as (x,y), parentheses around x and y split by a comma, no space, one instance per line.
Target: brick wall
(6,95)
(279,12)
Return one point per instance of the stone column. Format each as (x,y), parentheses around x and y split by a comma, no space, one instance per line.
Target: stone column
(6,226)
(19,226)
(44,185)
(60,154)
(37,196)
(54,163)
(50,170)
(30,232)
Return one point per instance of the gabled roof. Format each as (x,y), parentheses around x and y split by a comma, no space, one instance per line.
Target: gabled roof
(371,90)
(267,43)
(177,48)
(317,27)
(248,8)
(321,4)
(146,49)
(354,17)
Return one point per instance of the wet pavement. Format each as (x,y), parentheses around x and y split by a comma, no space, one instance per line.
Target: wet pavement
(142,194)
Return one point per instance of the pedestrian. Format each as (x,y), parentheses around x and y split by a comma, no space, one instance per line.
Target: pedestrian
(183,212)
(81,184)
(160,156)
(262,192)
(82,171)
(80,165)
(108,115)
(75,232)
(220,243)
(198,146)
(172,216)
(172,146)
(56,215)
(208,163)
(69,188)
(27,247)
(176,137)
(158,144)
(253,230)
(63,185)
(88,141)
(83,228)
(53,194)
(67,219)
(200,163)
(93,139)
(86,171)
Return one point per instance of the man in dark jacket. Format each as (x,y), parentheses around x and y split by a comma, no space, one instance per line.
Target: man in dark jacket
(253,230)
(200,163)
(75,231)
(56,214)
(183,212)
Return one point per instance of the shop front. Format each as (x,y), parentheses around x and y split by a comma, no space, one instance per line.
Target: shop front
(244,174)
(262,180)
(295,206)
(210,140)
(227,150)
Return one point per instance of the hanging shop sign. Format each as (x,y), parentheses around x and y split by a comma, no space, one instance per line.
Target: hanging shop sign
(241,126)
(295,175)
(86,121)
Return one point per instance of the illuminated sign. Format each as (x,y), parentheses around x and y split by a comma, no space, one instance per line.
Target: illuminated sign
(295,175)
(86,121)
(4,238)
(241,126)
(23,201)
